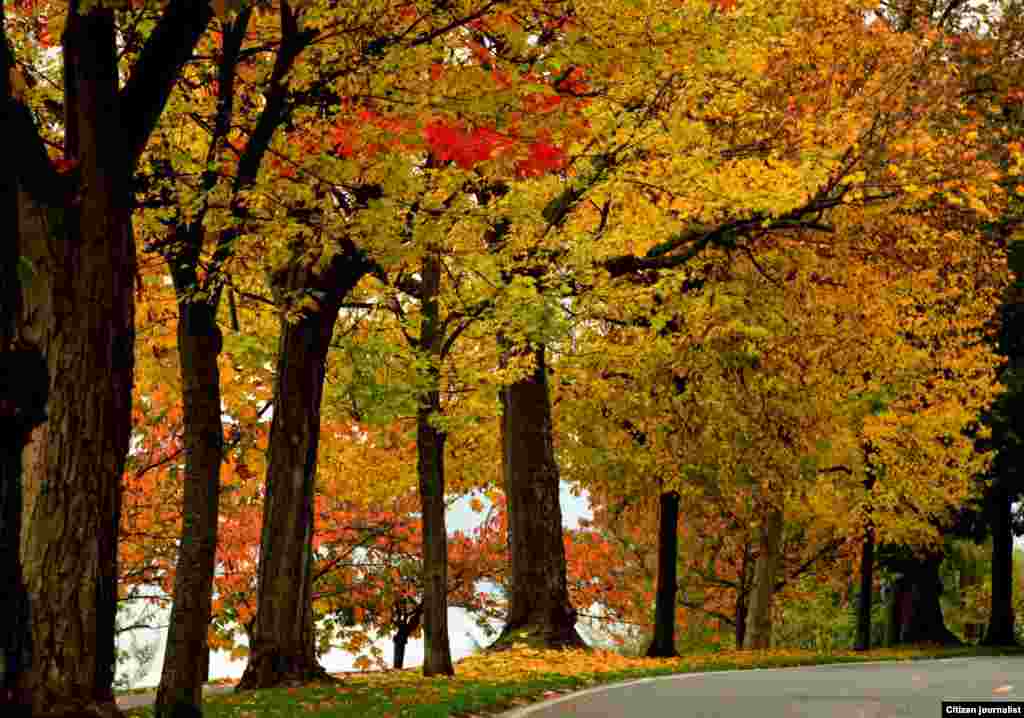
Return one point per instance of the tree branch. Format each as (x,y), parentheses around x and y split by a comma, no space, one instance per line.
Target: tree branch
(156,70)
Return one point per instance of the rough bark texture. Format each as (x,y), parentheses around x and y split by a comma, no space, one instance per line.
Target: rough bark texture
(867,565)
(282,647)
(759,619)
(917,615)
(539,610)
(1000,630)
(437,659)
(187,653)
(24,385)
(16,636)
(78,309)
(187,657)
(20,411)
(663,645)
(83,316)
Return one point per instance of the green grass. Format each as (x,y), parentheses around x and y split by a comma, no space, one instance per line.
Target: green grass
(406,694)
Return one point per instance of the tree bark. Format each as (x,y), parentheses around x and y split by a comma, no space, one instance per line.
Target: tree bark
(1000,630)
(78,309)
(539,611)
(919,614)
(759,619)
(402,635)
(742,594)
(437,659)
(896,610)
(663,644)
(187,653)
(20,412)
(282,647)
(84,317)
(24,386)
(864,598)
(400,641)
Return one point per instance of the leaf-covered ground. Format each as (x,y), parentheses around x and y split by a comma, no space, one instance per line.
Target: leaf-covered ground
(495,682)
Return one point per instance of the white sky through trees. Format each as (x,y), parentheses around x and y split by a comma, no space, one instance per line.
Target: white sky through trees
(462,629)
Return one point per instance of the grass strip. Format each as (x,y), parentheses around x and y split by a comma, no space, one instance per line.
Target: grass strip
(491,683)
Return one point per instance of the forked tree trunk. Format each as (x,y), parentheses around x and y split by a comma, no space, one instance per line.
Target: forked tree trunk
(759,620)
(437,659)
(282,647)
(899,605)
(919,613)
(187,657)
(864,598)
(402,636)
(539,610)
(79,310)
(1001,619)
(663,644)
(82,313)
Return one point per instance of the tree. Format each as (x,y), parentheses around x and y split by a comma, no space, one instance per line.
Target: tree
(1004,486)
(862,642)
(24,385)
(79,312)
(916,615)
(539,608)
(663,643)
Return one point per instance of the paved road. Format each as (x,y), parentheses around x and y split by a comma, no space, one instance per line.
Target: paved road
(137,700)
(879,690)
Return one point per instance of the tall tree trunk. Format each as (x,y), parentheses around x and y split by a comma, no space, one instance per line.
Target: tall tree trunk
(867,564)
(199,345)
(83,315)
(742,596)
(920,612)
(539,610)
(437,659)
(24,386)
(1001,619)
(78,309)
(282,647)
(664,643)
(187,658)
(759,620)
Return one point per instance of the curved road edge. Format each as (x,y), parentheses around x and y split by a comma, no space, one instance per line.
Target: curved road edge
(523,711)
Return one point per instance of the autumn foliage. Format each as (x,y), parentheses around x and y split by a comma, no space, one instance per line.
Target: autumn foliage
(762,244)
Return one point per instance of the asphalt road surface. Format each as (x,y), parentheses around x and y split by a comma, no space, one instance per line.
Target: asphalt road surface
(128,701)
(876,690)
